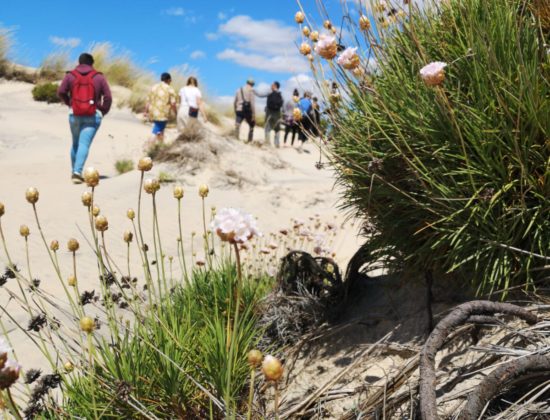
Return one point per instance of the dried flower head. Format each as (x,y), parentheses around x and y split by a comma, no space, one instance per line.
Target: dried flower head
(364,23)
(24,231)
(327,47)
(131,214)
(349,59)
(87,198)
(9,374)
(314,36)
(255,358)
(95,211)
(87,324)
(2,209)
(54,245)
(73,245)
(305,48)
(32,195)
(200,262)
(296,114)
(69,367)
(101,223)
(178,192)
(433,74)
(71,281)
(310,57)
(151,186)
(299,17)
(272,368)
(234,226)
(306,31)
(327,24)
(128,236)
(91,177)
(145,164)
(380,6)
(203,190)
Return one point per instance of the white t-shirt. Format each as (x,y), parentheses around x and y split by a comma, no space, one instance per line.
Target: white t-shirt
(189,96)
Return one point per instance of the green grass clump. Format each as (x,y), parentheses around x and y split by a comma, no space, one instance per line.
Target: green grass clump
(453,178)
(46,92)
(124,165)
(170,348)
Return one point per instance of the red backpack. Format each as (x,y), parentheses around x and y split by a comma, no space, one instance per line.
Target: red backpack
(83,93)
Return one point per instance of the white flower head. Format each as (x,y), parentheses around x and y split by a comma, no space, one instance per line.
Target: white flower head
(234,226)
(434,73)
(349,58)
(326,46)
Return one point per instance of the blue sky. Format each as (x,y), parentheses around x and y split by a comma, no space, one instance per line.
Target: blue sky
(224,40)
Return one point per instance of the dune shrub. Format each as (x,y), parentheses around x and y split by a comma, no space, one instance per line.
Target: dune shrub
(46,92)
(54,66)
(158,364)
(124,165)
(453,177)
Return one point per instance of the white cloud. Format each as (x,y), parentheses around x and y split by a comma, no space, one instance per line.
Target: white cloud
(266,45)
(175,11)
(211,36)
(65,42)
(222,16)
(197,55)
(274,64)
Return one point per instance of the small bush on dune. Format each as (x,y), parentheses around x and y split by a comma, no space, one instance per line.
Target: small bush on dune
(124,165)
(451,174)
(46,92)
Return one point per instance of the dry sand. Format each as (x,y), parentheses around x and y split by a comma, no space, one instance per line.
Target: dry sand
(275,185)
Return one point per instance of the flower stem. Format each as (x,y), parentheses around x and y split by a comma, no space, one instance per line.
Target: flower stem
(251,393)
(13,406)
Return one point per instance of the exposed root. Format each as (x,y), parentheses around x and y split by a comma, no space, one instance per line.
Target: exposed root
(502,377)
(428,406)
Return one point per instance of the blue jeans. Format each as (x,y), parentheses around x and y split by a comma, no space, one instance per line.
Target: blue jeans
(83,129)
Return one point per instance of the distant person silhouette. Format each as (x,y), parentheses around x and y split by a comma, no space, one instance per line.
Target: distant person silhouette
(245,109)
(290,125)
(273,108)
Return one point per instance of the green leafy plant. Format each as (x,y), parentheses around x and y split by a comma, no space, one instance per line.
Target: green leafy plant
(124,165)
(46,92)
(453,177)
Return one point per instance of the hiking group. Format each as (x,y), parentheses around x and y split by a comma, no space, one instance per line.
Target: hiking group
(277,112)
(87,94)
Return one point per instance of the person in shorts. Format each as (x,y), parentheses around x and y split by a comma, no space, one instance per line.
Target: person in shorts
(161,104)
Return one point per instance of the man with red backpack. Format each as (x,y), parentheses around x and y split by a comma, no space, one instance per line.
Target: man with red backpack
(88,96)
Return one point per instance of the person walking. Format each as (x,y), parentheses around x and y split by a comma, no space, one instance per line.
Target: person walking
(290,125)
(273,108)
(191,104)
(306,107)
(245,109)
(89,98)
(316,118)
(161,105)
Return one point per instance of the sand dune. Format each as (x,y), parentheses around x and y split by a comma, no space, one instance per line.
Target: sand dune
(275,185)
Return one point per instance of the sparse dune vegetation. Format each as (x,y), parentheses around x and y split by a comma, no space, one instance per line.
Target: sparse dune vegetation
(395,265)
